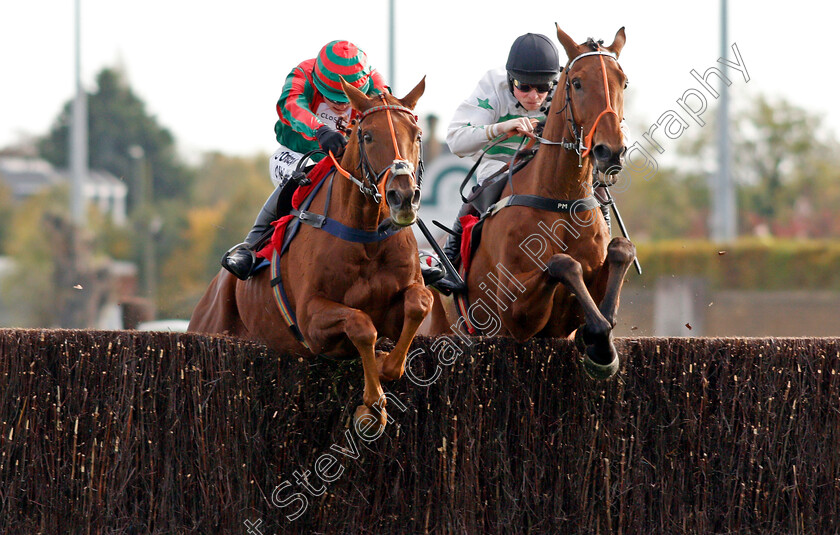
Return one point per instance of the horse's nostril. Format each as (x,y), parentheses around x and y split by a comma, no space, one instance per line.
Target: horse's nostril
(415,199)
(393,197)
(602,152)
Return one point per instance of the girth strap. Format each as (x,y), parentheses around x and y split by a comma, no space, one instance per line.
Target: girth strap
(282,300)
(544,203)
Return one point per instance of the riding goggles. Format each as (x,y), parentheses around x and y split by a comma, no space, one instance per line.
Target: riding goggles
(336,102)
(526,88)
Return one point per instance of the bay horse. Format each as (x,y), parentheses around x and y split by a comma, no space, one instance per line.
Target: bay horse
(543,263)
(345,294)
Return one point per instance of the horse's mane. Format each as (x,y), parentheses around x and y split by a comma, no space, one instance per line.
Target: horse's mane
(593,44)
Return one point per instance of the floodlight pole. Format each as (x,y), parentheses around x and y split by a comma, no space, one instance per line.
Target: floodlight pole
(724,226)
(78,136)
(392,74)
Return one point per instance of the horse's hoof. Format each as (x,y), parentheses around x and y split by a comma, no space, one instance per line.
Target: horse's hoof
(369,423)
(599,372)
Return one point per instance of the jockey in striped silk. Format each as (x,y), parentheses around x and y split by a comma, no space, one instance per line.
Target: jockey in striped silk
(311,106)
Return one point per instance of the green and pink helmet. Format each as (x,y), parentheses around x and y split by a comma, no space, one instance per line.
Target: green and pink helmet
(341,58)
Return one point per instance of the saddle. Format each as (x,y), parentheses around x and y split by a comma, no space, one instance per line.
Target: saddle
(292,196)
(484,196)
(286,198)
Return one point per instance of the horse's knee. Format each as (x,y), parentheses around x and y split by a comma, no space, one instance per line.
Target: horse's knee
(360,329)
(564,267)
(418,303)
(621,251)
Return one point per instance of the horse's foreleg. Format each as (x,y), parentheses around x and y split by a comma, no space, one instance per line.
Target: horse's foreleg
(594,338)
(327,319)
(567,270)
(417,303)
(620,254)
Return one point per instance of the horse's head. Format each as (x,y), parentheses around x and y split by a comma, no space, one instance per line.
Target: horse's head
(387,141)
(594,93)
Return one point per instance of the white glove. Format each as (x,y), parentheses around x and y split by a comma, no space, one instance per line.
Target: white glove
(521,125)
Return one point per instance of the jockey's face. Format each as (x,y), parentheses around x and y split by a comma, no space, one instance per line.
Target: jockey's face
(532,100)
(339,108)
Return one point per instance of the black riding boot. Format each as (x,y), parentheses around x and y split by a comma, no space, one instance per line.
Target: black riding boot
(240,259)
(452,250)
(601,196)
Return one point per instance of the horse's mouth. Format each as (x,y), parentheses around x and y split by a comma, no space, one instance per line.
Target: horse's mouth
(606,172)
(403,207)
(404,218)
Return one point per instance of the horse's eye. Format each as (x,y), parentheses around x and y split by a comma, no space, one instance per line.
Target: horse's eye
(576,83)
(367,137)
(626,83)
(419,138)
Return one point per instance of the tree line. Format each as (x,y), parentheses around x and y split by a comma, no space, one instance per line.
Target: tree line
(786,167)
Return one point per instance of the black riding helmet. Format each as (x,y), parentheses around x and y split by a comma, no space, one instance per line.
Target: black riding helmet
(533,59)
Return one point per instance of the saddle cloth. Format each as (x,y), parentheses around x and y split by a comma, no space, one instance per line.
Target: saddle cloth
(470,239)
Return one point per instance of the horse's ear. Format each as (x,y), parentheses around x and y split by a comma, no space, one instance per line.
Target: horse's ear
(358,100)
(569,45)
(410,100)
(618,42)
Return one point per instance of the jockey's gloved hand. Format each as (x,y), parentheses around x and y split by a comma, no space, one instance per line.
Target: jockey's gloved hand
(520,125)
(330,140)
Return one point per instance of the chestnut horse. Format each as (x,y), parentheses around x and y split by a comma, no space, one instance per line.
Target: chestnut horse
(543,264)
(345,294)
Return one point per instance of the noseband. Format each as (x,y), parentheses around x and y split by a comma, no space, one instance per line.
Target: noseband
(400,166)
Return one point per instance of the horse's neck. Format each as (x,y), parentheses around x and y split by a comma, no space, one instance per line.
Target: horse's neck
(555,173)
(350,206)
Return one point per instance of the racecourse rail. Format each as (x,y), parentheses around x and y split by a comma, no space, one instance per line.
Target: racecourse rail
(135,432)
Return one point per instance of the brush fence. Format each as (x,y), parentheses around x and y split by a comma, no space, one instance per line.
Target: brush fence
(132,432)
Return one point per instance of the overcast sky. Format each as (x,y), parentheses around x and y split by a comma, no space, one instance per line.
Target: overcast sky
(211,71)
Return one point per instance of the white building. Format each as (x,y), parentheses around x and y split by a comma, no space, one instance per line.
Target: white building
(29,176)
(441,199)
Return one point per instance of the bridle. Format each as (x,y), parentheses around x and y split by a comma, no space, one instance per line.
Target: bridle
(400,166)
(583,142)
